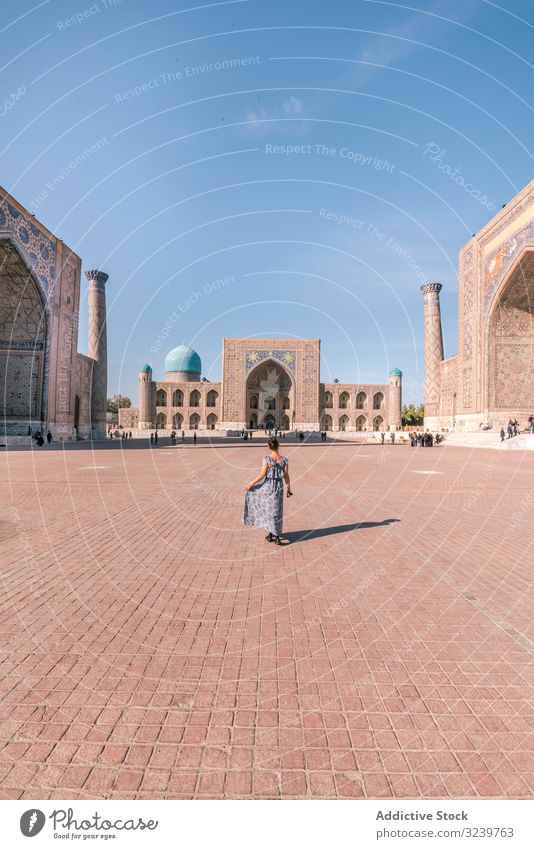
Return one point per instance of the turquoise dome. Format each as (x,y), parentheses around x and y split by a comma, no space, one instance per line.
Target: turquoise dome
(183,358)
(395,371)
(146,367)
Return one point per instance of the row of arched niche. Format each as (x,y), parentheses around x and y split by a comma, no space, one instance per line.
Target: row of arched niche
(178,398)
(362,400)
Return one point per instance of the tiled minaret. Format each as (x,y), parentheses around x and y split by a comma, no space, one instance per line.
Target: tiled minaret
(145,397)
(395,399)
(98,351)
(433,352)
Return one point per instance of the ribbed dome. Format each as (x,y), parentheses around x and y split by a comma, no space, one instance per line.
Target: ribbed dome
(183,359)
(395,371)
(146,367)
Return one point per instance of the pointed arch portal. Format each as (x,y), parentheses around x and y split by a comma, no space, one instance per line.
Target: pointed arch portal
(510,346)
(22,343)
(270,392)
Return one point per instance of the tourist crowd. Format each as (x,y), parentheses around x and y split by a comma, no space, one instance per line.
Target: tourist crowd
(425,440)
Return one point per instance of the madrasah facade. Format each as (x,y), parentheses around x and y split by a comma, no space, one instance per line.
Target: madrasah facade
(265,384)
(490,379)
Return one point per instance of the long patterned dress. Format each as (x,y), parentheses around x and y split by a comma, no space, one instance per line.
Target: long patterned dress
(264,502)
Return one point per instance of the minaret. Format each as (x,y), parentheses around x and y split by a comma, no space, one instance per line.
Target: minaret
(98,351)
(433,353)
(395,399)
(145,397)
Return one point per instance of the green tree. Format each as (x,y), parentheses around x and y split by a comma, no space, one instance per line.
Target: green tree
(412,415)
(116,402)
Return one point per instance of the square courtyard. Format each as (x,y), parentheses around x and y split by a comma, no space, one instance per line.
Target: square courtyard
(153,647)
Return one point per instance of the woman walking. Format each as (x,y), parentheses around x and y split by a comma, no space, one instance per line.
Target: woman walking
(264,498)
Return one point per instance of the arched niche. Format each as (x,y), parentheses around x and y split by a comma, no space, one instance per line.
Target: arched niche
(23,330)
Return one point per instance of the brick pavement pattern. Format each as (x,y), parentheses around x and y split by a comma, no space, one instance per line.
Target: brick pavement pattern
(153,647)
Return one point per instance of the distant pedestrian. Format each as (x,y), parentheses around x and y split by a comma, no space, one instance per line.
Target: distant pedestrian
(393,437)
(152,439)
(40,439)
(49,437)
(383,436)
(503,434)
(194,437)
(156,438)
(130,434)
(301,437)
(183,436)
(29,430)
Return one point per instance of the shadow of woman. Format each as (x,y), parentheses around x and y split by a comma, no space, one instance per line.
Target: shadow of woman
(315,533)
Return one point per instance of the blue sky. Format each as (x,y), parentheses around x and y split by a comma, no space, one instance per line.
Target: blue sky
(320,160)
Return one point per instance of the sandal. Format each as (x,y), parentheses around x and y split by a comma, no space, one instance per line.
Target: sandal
(269,537)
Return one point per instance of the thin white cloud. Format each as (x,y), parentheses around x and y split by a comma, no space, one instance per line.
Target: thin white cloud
(293,106)
(263,120)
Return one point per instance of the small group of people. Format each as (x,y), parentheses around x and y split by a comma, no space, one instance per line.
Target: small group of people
(299,434)
(323,436)
(174,437)
(38,436)
(120,434)
(246,434)
(513,429)
(425,440)
(391,436)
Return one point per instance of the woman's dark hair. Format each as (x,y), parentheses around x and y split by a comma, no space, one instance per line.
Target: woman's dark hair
(273,443)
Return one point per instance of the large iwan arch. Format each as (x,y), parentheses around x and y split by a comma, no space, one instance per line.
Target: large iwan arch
(23,336)
(270,387)
(509,380)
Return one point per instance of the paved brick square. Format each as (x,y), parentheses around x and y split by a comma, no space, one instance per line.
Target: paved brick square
(153,647)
